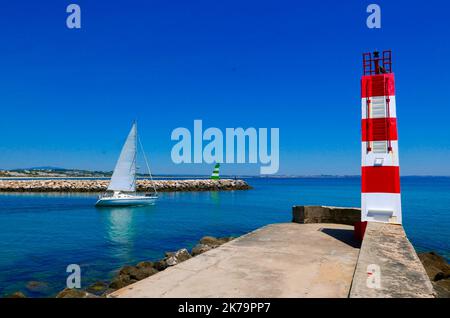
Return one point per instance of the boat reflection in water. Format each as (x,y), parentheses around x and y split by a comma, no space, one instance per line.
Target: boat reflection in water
(120,232)
(123,226)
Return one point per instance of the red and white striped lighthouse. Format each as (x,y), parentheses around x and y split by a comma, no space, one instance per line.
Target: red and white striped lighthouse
(380,190)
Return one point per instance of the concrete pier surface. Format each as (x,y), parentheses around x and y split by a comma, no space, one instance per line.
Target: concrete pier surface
(278,260)
(92,185)
(388,257)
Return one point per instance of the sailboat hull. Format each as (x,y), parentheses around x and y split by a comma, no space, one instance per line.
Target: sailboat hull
(126,201)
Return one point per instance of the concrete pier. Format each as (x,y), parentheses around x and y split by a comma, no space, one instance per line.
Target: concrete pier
(386,249)
(299,259)
(279,260)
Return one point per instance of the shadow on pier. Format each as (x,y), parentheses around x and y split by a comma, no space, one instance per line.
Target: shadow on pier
(344,235)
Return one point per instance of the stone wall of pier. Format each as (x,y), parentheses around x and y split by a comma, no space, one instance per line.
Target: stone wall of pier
(101,185)
(325,214)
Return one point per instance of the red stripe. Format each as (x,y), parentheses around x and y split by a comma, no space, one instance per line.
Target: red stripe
(378,85)
(375,129)
(380,179)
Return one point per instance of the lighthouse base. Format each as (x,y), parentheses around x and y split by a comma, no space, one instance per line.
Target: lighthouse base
(381,207)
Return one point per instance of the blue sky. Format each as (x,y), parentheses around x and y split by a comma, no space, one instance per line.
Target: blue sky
(68,97)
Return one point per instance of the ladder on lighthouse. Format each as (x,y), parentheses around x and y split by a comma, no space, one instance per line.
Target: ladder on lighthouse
(378,107)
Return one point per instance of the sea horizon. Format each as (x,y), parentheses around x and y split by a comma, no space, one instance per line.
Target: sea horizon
(161,175)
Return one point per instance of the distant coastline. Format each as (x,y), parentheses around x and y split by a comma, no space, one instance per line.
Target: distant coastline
(62,173)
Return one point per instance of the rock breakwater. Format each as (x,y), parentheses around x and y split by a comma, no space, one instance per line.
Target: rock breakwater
(130,274)
(438,271)
(64,185)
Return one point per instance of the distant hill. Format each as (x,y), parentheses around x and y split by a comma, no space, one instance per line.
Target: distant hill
(56,172)
(48,172)
(45,168)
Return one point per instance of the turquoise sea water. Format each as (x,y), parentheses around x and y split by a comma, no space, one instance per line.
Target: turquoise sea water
(40,234)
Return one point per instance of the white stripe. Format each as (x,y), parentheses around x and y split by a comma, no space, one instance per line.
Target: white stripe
(378,100)
(370,159)
(376,206)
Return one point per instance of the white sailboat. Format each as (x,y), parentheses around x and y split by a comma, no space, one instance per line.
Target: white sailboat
(122,187)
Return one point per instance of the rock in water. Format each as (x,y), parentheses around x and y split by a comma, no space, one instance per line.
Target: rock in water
(214,241)
(438,271)
(435,265)
(209,242)
(177,257)
(442,288)
(128,271)
(147,271)
(160,265)
(145,264)
(97,288)
(74,293)
(130,274)
(17,294)
(120,282)
(137,272)
(36,286)
(200,249)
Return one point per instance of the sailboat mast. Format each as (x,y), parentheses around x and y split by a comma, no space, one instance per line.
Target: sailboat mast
(135,156)
(146,163)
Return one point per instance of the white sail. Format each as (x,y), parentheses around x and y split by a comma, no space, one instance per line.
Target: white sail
(123,178)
